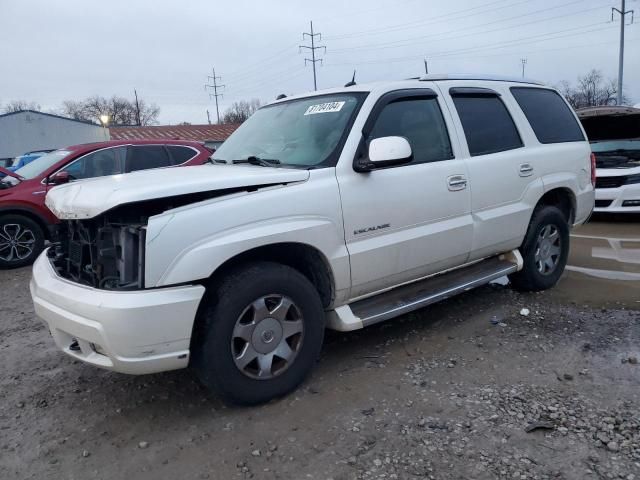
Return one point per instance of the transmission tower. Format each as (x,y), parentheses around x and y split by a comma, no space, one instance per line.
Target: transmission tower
(312,36)
(623,14)
(216,86)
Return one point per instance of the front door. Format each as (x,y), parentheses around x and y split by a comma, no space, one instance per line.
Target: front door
(408,221)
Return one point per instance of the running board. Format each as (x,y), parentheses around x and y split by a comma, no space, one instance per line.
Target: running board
(413,296)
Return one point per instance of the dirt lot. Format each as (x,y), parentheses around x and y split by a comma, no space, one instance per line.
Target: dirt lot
(448,392)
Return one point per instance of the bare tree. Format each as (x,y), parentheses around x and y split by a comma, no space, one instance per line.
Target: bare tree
(120,110)
(18,105)
(591,90)
(238,112)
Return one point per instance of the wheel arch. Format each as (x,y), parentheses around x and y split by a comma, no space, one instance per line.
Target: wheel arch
(563,198)
(30,214)
(304,258)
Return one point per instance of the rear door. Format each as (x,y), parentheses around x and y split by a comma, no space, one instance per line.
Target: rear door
(407,221)
(502,172)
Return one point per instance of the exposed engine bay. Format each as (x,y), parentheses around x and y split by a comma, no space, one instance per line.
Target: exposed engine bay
(107,252)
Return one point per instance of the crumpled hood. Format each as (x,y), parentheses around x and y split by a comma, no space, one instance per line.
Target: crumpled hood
(89,198)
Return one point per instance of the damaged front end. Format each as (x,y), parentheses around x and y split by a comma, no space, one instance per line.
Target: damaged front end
(106,252)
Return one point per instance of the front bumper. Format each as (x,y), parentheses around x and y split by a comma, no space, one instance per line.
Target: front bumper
(135,332)
(613,200)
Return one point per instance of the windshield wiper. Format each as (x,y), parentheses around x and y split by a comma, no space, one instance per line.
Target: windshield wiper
(263,162)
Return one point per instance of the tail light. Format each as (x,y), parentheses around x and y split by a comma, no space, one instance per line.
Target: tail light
(593,169)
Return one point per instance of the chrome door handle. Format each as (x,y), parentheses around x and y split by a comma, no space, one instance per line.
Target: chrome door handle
(526,169)
(456,182)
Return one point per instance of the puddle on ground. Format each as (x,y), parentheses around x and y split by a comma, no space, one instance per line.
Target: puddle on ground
(604,265)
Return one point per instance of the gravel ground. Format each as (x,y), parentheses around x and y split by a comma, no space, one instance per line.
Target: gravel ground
(471,388)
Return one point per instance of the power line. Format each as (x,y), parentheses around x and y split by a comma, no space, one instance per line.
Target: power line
(214,78)
(622,12)
(456,32)
(421,23)
(490,46)
(312,36)
(257,65)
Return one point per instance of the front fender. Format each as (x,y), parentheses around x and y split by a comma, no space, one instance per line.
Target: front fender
(202,259)
(191,243)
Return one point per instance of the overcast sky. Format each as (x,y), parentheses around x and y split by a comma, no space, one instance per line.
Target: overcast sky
(70,49)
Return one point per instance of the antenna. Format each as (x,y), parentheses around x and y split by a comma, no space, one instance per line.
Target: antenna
(352,82)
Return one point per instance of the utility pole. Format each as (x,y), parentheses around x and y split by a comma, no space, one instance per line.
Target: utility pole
(137,108)
(214,78)
(313,49)
(524,62)
(622,13)
(426,67)
(208,117)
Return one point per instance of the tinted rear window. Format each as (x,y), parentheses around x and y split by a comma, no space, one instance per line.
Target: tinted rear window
(146,157)
(487,124)
(550,117)
(181,154)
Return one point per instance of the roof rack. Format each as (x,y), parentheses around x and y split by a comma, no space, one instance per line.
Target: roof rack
(468,76)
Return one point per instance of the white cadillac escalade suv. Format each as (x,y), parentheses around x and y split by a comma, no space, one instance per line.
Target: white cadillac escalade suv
(336,209)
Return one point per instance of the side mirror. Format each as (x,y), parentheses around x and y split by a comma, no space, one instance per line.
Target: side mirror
(386,152)
(59,178)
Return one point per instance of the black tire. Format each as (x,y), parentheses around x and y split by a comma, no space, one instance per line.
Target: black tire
(532,277)
(21,241)
(214,358)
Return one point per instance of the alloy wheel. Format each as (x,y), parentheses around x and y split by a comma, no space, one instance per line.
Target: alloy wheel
(16,242)
(548,249)
(267,337)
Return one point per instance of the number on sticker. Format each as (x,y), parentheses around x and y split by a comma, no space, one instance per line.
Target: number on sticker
(324,108)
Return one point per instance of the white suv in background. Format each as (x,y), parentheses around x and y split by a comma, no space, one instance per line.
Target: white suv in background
(339,209)
(614,133)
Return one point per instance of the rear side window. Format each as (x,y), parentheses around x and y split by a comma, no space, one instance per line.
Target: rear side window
(180,154)
(146,157)
(550,117)
(420,121)
(487,124)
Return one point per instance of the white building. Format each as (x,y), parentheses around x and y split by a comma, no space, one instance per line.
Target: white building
(28,130)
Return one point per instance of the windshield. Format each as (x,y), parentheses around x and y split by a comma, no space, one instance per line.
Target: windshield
(304,132)
(41,164)
(615,145)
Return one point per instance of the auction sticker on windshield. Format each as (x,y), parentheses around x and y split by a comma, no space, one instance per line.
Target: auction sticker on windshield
(325,108)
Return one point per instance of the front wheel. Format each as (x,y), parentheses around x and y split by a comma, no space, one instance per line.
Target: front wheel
(544,251)
(259,333)
(21,241)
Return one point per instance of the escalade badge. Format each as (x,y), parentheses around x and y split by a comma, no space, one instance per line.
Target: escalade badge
(371,229)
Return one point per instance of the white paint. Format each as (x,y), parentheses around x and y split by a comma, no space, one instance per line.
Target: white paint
(375,230)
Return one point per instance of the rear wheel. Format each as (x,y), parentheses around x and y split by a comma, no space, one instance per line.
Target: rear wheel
(21,241)
(544,251)
(259,333)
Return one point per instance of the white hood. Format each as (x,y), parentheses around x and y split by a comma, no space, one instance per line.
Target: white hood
(89,198)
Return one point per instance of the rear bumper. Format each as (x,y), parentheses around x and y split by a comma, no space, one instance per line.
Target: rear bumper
(134,332)
(612,200)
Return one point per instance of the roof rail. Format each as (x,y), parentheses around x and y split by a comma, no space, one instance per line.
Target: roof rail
(470,76)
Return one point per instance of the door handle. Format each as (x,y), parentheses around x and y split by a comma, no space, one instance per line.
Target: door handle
(456,182)
(526,169)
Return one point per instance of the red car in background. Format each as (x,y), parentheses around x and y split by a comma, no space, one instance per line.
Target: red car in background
(24,217)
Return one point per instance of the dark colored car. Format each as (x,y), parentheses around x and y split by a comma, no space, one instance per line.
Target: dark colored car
(24,217)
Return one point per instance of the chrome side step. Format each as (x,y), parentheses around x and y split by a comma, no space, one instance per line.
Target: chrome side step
(416,295)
